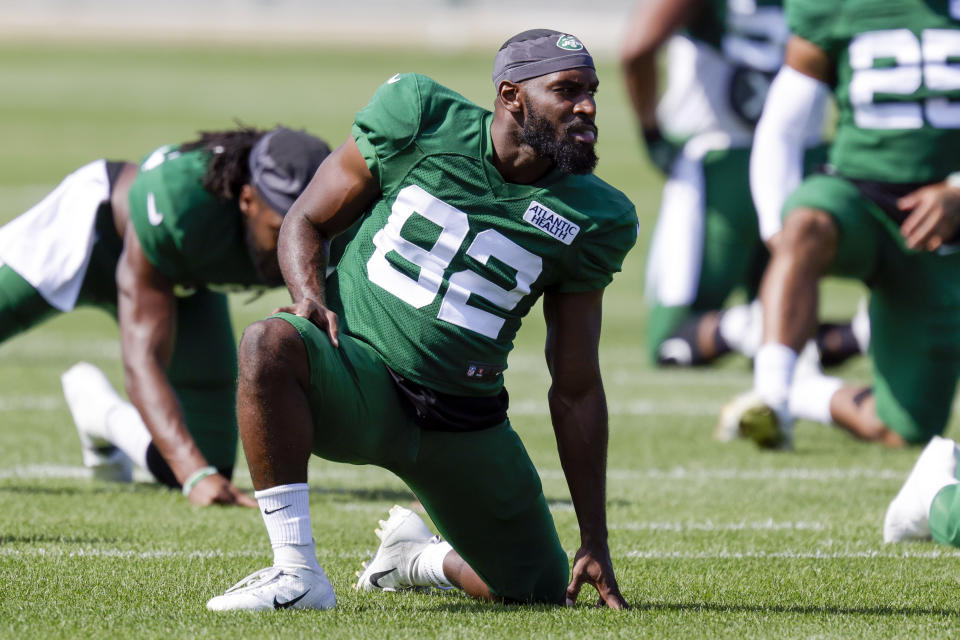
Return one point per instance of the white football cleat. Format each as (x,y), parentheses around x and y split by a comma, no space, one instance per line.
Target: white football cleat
(403,536)
(748,416)
(90,397)
(277,588)
(908,516)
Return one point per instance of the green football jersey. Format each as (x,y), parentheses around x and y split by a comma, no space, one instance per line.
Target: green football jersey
(897,68)
(190,236)
(451,257)
(749,33)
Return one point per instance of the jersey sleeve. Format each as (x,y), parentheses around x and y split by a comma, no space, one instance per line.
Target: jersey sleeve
(390,122)
(151,212)
(601,254)
(814,21)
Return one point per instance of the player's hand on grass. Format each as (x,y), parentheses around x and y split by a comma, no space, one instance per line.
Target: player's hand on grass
(593,566)
(318,314)
(215,489)
(934,216)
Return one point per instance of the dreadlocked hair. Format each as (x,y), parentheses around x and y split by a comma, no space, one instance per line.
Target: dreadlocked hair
(227,169)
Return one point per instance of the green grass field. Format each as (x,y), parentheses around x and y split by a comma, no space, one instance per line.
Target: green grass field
(708,540)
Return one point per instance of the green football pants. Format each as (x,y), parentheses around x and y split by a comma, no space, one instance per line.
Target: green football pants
(479,487)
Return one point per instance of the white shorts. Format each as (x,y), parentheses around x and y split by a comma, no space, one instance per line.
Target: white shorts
(49,246)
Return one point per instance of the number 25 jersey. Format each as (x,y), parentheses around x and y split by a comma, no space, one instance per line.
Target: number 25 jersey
(897,68)
(451,257)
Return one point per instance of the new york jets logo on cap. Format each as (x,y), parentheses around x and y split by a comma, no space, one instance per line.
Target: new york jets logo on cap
(569,43)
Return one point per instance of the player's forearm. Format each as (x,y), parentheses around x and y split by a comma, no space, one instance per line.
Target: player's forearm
(640,76)
(302,253)
(580,425)
(151,393)
(650,26)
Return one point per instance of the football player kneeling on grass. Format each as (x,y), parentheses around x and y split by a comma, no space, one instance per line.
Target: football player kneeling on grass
(150,244)
(468,217)
(886,211)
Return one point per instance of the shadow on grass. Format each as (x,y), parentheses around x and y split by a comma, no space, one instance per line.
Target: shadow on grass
(455,602)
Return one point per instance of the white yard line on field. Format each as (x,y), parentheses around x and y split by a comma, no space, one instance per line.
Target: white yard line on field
(31,402)
(638,554)
(350,472)
(658,554)
(708,525)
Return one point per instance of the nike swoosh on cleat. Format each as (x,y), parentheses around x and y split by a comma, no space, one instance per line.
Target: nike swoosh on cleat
(289,603)
(267,512)
(375,577)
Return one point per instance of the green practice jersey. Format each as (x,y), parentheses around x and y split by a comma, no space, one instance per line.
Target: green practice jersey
(897,65)
(190,236)
(750,33)
(451,257)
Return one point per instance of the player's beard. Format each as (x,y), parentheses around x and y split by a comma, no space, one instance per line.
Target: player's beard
(548,141)
(264,262)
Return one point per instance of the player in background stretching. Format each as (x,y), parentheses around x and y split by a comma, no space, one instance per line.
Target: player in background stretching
(721,57)
(468,217)
(150,244)
(886,211)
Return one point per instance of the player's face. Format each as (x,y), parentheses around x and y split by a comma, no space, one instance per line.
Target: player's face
(262,229)
(559,122)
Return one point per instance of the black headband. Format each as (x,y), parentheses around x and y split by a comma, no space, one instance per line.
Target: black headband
(537,53)
(281,164)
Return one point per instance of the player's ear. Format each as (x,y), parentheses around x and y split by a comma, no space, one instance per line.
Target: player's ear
(247,200)
(508,93)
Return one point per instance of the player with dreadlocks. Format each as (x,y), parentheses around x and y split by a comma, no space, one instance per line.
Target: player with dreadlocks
(155,245)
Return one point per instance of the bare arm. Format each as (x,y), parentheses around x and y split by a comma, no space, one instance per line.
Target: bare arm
(652,22)
(147,316)
(578,410)
(341,190)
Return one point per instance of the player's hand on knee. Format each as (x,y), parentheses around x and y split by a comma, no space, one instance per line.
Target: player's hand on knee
(934,216)
(594,567)
(318,314)
(216,489)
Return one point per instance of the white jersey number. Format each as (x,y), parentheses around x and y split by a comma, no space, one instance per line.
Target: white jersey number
(917,62)
(422,290)
(755,36)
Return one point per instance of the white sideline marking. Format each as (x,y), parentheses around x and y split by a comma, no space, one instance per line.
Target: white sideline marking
(31,403)
(935,554)
(653,554)
(126,554)
(679,473)
(349,472)
(708,525)
(633,408)
(49,344)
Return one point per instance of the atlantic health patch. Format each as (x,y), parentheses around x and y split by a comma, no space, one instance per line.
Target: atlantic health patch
(551,222)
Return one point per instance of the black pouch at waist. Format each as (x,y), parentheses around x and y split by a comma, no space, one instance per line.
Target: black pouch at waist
(436,411)
(886,194)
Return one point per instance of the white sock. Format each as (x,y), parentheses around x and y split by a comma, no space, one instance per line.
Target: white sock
(286,513)
(810,397)
(741,327)
(126,431)
(773,373)
(860,325)
(427,568)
